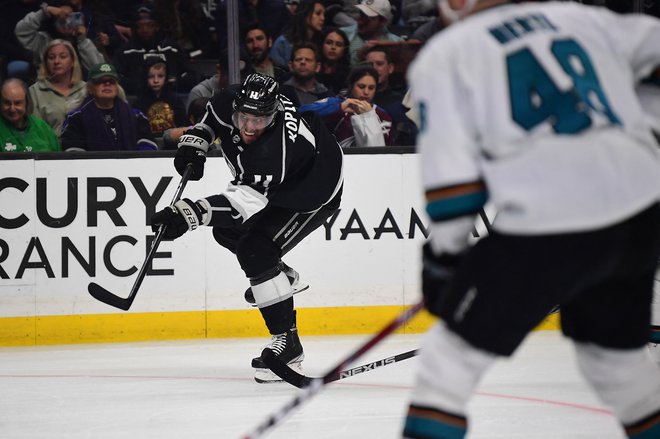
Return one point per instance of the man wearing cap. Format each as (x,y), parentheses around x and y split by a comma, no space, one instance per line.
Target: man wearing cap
(287,182)
(370,29)
(105,121)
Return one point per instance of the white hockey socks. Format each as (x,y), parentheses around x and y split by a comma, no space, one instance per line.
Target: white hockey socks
(448,372)
(626,380)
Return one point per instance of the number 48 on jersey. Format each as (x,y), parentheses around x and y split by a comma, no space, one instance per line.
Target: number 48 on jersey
(535,98)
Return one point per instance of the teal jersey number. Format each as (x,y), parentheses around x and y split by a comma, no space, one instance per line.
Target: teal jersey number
(536,99)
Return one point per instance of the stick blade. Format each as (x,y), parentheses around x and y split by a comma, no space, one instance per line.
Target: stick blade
(283,371)
(105,296)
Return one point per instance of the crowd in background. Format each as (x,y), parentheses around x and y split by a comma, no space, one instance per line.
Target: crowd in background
(102,75)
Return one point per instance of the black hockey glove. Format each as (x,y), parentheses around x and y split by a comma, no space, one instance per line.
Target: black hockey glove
(192,149)
(189,154)
(184,215)
(437,273)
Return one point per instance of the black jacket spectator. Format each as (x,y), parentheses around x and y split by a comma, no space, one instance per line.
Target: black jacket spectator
(148,43)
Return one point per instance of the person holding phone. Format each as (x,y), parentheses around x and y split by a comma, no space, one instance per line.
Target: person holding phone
(39,28)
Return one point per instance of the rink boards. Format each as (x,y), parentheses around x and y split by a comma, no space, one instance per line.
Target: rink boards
(65,223)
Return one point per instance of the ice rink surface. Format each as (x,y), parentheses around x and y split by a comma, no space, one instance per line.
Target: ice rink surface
(205,389)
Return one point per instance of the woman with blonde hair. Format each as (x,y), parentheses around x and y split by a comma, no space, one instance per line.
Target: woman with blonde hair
(59,88)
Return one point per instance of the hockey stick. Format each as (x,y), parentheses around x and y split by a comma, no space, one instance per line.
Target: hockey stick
(301,381)
(347,373)
(105,296)
(316,384)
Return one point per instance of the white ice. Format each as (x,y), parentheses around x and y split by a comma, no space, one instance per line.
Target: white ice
(204,389)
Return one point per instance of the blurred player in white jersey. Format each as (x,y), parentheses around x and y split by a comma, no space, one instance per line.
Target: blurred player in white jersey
(532,107)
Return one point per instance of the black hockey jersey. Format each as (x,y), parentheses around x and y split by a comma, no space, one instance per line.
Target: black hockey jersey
(295,164)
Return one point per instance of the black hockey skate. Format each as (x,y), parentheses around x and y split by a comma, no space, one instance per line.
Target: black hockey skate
(294,279)
(287,348)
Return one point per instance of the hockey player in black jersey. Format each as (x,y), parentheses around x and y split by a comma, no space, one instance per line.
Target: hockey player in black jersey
(287,182)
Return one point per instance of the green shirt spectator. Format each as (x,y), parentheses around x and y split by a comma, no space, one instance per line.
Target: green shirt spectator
(18,131)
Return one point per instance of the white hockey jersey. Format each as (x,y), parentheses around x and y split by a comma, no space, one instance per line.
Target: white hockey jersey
(533,107)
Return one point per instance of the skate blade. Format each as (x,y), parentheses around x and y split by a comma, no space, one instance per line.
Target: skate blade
(266,376)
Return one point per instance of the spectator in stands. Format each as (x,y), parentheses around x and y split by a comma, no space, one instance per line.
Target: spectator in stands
(15,60)
(272,14)
(335,60)
(424,32)
(257,48)
(186,23)
(120,12)
(59,88)
(415,12)
(306,26)
(390,99)
(380,60)
(105,121)
(147,42)
(304,66)
(40,27)
(163,108)
(348,15)
(207,87)
(355,120)
(371,28)
(100,27)
(292,6)
(20,132)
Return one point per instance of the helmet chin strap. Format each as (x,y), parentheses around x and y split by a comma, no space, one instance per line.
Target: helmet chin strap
(454,15)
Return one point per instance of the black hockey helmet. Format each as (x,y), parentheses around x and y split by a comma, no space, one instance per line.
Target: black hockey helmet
(258,95)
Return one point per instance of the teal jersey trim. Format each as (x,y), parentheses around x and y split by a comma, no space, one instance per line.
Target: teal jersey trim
(450,208)
(423,428)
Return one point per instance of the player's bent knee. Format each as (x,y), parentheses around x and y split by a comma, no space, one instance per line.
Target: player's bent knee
(228,238)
